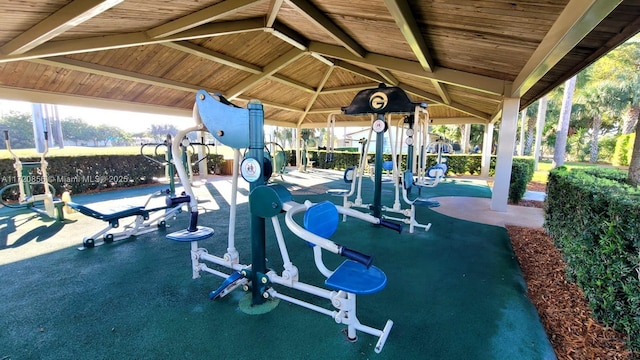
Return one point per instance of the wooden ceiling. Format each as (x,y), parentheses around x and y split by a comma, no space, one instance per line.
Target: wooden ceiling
(304,59)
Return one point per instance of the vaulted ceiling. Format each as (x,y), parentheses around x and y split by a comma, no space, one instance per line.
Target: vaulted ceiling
(304,59)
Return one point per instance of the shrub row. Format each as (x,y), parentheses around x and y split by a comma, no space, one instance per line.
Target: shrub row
(79,174)
(595,222)
(522,171)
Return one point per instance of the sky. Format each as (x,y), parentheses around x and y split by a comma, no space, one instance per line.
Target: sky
(125,120)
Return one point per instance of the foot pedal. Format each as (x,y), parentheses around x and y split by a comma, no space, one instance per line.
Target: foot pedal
(233,281)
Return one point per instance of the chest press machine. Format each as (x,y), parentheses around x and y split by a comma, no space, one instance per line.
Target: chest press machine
(356,275)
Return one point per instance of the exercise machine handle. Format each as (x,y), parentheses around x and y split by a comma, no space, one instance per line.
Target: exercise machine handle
(391,225)
(46,136)
(193,222)
(173,201)
(357,256)
(6,135)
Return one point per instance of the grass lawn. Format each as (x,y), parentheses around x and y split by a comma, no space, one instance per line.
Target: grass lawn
(545,166)
(89,151)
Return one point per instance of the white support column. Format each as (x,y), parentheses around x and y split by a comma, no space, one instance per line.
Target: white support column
(523,121)
(487,140)
(298,137)
(506,141)
(542,115)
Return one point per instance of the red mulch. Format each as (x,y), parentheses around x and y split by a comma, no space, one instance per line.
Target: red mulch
(561,305)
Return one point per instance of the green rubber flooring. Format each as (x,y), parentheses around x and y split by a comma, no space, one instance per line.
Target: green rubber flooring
(454,292)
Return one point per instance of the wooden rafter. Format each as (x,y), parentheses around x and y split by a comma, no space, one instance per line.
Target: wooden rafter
(577,19)
(319,18)
(73,14)
(454,77)
(315,96)
(98,43)
(348,88)
(215,56)
(360,71)
(409,28)
(207,15)
(272,14)
(273,67)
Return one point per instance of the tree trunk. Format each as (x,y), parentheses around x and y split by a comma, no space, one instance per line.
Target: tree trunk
(595,134)
(531,132)
(563,123)
(634,163)
(630,119)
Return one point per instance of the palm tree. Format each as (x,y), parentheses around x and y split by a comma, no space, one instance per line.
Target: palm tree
(563,122)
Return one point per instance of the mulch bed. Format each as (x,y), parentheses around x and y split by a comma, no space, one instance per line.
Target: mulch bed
(562,307)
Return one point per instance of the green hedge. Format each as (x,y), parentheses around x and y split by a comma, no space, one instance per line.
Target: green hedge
(79,174)
(623,150)
(458,164)
(595,222)
(521,174)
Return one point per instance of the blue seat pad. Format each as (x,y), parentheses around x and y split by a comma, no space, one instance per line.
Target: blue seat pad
(355,278)
(188,236)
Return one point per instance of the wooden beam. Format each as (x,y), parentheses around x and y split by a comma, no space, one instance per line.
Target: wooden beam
(73,14)
(293,83)
(214,56)
(319,18)
(39,96)
(388,77)
(433,97)
(207,15)
(454,77)
(91,68)
(359,71)
(288,35)
(348,88)
(324,111)
(456,121)
(578,19)
(272,14)
(273,67)
(442,91)
(402,14)
(98,43)
(315,96)
(272,104)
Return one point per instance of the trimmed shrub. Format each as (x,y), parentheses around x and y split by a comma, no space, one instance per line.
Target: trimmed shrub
(623,150)
(594,220)
(521,174)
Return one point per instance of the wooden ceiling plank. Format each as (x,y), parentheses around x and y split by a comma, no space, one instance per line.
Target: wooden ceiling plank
(454,77)
(71,15)
(215,56)
(359,71)
(319,18)
(293,83)
(98,43)
(577,20)
(91,68)
(433,97)
(315,96)
(409,28)
(348,88)
(209,14)
(273,104)
(324,111)
(273,67)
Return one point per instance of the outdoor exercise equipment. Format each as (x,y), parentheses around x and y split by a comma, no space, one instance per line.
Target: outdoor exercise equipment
(147,217)
(229,125)
(162,156)
(278,158)
(43,203)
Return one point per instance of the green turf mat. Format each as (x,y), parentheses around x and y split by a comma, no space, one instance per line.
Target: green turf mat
(455,292)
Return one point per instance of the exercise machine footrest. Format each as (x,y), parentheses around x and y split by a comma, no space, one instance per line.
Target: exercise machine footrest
(187,236)
(426,203)
(355,278)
